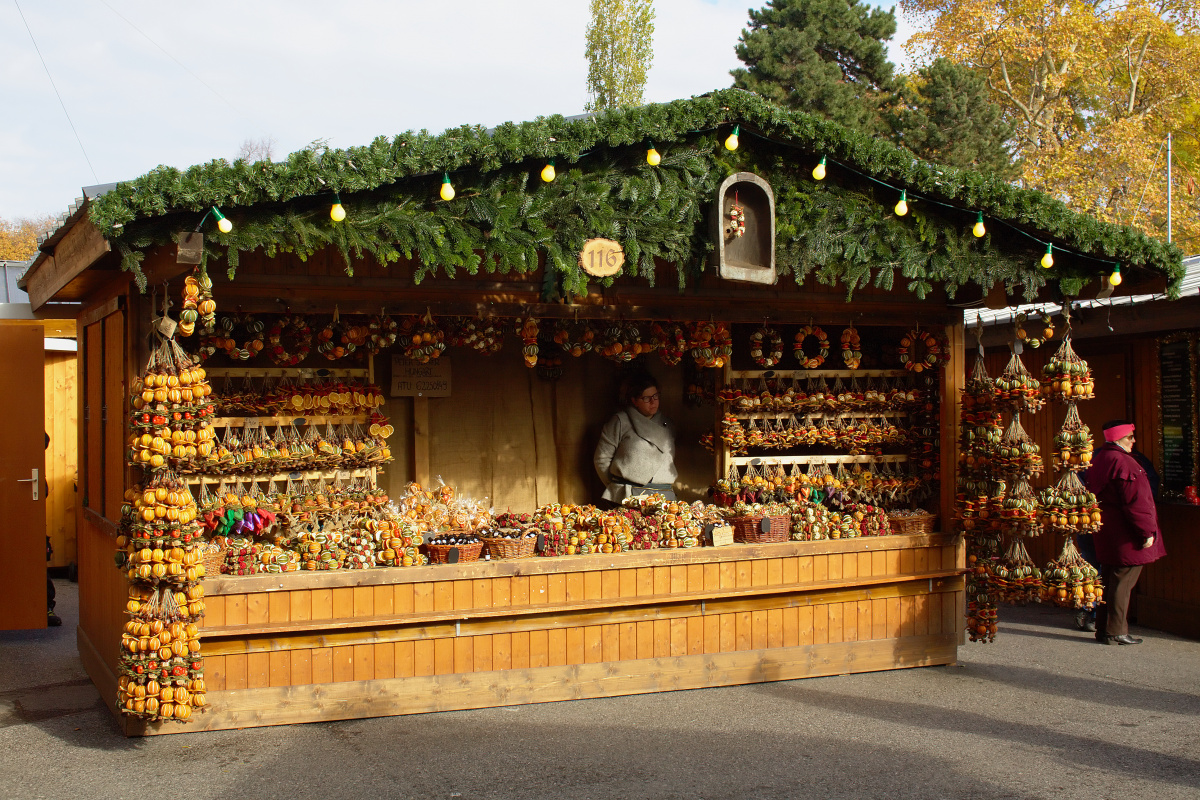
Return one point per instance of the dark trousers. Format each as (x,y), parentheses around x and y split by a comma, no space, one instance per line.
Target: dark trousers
(1118,586)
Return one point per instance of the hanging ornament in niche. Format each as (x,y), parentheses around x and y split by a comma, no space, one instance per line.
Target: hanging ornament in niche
(736,228)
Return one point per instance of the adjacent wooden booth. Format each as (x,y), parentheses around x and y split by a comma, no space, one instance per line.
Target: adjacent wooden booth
(318,646)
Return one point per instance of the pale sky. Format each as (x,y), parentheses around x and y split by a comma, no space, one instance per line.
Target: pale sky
(298,71)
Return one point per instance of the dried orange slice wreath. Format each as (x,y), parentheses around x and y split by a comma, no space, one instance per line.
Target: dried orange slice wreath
(920,350)
(766,347)
(807,361)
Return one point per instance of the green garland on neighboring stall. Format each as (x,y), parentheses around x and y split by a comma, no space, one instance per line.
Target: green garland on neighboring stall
(504,220)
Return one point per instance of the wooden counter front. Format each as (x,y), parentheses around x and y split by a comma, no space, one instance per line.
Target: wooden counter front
(306,647)
(1167,596)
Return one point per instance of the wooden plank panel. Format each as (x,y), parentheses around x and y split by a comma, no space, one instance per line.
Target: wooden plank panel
(866,630)
(258,670)
(921,559)
(865,568)
(384,601)
(443,596)
(627,584)
(645,581)
(502,592)
(728,576)
(791,571)
(322,604)
(593,643)
(520,650)
(280,668)
(423,658)
(502,651)
(879,629)
(385,659)
(921,615)
(93,399)
(520,591)
(443,656)
(952,613)
(645,639)
(279,607)
(836,632)
(850,622)
(214,673)
(820,568)
(679,579)
(302,672)
(744,573)
(805,624)
(834,561)
(539,648)
(695,635)
(214,609)
(758,572)
(464,654)
(695,577)
(774,571)
(115,399)
(537,590)
(235,609)
(343,663)
(464,595)
(413,598)
(679,637)
(712,577)
(594,585)
(908,616)
(712,633)
(256,608)
(556,589)
(343,603)
(662,638)
(483,653)
(791,627)
(364,601)
(821,624)
(728,633)
(806,570)
(481,593)
(575,587)
(935,613)
(235,671)
(949,557)
(364,662)
(892,559)
(893,616)
(879,564)
(744,630)
(557,647)
(758,630)
(627,641)
(908,562)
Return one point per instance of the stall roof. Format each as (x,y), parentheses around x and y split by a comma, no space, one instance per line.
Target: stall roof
(841,229)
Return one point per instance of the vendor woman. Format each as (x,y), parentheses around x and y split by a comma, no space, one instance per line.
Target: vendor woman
(636,453)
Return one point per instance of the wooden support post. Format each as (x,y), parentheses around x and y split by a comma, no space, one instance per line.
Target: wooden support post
(421,440)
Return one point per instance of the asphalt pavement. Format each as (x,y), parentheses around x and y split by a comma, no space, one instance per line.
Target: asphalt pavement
(1044,712)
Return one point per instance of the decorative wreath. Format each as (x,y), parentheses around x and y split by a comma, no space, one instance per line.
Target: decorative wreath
(337,339)
(711,344)
(920,350)
(766,347)
(807,361)
(623,343)
(295,332)
(426,340)
(672,342)
(223,339)
(575,338)
(254,345)
(851,348)
(527,329)
(381,332)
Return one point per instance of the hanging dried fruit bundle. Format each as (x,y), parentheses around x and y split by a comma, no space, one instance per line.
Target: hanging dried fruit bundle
(766,347)
(672,342)
(1068,507)
(425,340)
(1017,390)
(527,330)
(1015,577)
(980,390)
(575,338)
(1073,443)
(710,343)
(162,674)
(198,304)
(979,441)
(1067,377)
(851,348)
(289,341)
(172,406)
(1019,511)
(815,360)
(1070,581)
(622,342)
(339,339)
(381,332)
(1018,455)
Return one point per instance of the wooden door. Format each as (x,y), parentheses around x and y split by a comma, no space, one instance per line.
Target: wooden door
(22,457)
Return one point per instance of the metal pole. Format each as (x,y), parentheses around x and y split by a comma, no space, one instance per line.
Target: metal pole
(1168,188)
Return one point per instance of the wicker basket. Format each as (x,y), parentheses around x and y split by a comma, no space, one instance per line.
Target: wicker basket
(438,553)
(510,549)
(907,525)
(748,530)
(214,559)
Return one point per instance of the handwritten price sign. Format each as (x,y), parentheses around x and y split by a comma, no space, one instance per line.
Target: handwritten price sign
(601,257)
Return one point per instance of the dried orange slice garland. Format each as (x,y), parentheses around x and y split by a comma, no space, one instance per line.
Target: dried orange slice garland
(290,340)
(766,347)
(921,350)
(807,361)
(851,348)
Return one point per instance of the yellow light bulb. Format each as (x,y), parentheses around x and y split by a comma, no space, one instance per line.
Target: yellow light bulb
(1048,259)
(1115,278)
(902,206)
(819,170)
(548,173)
(447,191)
(653,158)
(731,143)
(224,225)
(979,230)
(337,213)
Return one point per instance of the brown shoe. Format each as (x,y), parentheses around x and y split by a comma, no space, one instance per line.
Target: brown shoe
(1123,638)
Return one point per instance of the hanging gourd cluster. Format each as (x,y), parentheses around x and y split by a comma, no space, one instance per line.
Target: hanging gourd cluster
(159,543)
(996,506)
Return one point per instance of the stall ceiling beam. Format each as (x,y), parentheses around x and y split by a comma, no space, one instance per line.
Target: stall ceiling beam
(79,249)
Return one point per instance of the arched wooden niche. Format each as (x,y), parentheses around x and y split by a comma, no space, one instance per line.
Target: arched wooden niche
(751,256)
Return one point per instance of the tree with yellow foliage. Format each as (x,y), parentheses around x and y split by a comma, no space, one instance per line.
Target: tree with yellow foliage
(18,238)
(1091,88)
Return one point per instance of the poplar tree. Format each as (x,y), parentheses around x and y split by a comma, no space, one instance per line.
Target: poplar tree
(620,49)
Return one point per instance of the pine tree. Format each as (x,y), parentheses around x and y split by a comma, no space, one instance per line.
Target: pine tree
(620,49)
(825,57)
(947,117)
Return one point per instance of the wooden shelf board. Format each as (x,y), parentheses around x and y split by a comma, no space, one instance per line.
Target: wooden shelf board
(821,373)
(742,461)
(361,472)
(286,372)
(288,419)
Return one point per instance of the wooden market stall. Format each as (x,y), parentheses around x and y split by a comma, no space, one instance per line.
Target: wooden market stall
(283,646)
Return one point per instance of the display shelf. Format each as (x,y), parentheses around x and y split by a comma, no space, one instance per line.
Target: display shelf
(287,372)
(298,419)
(816,373)
(825,414)
(299,475)
(758,461)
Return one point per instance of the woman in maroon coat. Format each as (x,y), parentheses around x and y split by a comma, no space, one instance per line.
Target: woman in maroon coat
(1128,537)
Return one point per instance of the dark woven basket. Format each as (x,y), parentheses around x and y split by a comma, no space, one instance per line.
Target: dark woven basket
(510,549)
(748,530)
(466,552)
(907,525)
